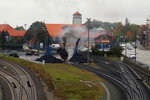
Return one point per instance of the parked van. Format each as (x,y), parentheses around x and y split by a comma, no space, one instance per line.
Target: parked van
(55,46)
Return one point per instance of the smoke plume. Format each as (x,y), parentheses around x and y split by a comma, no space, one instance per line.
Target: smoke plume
(71,34)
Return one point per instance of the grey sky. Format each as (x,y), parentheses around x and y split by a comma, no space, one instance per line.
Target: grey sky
(20,12)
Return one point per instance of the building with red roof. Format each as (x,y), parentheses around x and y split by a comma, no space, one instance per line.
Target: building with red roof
(11,31)
(56,30)
(59,30)
(5,27)
(16,33)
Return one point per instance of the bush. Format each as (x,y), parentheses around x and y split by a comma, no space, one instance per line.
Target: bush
(95,51)
(13,46)
(114,51)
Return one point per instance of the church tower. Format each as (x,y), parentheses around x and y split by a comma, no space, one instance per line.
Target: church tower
(77,18)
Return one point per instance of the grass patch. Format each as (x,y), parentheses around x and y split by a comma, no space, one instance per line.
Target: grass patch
(113,57)
(71,83)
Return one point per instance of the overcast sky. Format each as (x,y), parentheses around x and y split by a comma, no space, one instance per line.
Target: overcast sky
(20,12)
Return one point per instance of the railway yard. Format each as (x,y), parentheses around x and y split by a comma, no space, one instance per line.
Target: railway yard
(76,50)
(123,76)
(19,82)
(22,85)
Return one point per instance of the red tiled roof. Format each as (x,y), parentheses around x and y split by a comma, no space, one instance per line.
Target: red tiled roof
(11,30)
(56,29)
(77,13)
(16,32)
(5,27)
(94,35)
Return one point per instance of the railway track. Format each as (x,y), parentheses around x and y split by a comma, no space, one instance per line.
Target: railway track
(21,85)
(137,91)
(119,74)
(10,85)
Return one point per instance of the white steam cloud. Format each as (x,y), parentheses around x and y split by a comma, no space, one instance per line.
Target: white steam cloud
(71,34)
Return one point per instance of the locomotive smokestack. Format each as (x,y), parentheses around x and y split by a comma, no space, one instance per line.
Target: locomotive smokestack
(64,42)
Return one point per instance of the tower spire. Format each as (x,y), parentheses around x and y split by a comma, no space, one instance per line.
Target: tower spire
(77,18)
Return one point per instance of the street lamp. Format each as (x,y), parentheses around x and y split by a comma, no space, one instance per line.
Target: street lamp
(88,57)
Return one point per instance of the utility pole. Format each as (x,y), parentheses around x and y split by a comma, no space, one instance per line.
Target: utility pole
(125,39)
(88,56)
(127,23)
(135,47)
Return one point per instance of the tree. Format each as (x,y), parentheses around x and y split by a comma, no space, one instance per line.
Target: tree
(127,23)
(19,28)
(135,29)
(1,38)
(126,26)
(126,29)
(130,30)
(4,39)
(37,32)
(118,31)
(96,24)
(116,50)
(121,32)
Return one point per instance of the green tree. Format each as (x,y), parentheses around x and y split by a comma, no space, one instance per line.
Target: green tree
(19,28)
(118,31)
(37,32)
(126,27)
(121,32)
(96,24)
(1,39)
(116,50)
(135,29)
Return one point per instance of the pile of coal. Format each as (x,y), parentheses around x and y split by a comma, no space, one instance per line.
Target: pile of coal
(14,55)
(63,53)
(49,59)
(29,53)
(78,59)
